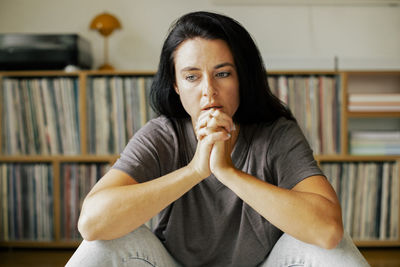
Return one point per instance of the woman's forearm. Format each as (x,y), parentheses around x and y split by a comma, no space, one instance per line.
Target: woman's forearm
(307,216)
(115,211)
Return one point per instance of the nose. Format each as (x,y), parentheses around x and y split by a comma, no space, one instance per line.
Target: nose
(209,88)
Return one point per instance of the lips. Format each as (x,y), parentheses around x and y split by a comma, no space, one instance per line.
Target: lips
(212,106)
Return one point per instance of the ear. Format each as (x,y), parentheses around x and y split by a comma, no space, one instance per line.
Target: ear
(176,89)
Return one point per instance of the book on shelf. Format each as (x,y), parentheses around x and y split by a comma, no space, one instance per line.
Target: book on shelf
(26,213)
(76,180)
(374,142)
(378,97)
(370,108)
(117,107)
(369,196)
(379,102)
(315,102)
(40,116)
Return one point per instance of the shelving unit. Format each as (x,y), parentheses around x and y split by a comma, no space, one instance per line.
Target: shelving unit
(366,82)
(347,81)
(57,160)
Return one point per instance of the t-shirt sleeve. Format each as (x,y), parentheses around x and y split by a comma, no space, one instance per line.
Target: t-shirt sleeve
(143,156)
(290,157)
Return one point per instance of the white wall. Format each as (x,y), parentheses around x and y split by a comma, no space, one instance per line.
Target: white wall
(289,37)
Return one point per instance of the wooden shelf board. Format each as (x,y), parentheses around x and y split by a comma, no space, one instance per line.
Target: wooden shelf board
(40,244)
(74,73)
(60,158)
(344,158)
(147,72)
(373,114)
(119,72)
(38,73)
(303,72)
(377,243)
(371,72)
(152,72)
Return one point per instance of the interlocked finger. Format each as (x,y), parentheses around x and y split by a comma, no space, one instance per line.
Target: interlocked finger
(206,131)
(203,119)
(214,119)
(213,137)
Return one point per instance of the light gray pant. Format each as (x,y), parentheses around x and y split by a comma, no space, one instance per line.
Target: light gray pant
(143,248)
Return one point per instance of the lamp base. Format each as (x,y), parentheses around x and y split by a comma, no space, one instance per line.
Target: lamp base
(106,66)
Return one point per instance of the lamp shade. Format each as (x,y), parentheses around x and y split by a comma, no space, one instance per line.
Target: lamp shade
(105,23)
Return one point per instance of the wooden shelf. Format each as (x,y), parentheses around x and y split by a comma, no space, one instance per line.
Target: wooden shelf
(59,158)
(303,72)
(57,73)
(377,243)
(118,73)
(350,81)
(369,73)
(44,73)
(40,244)
(373,114)
(347,158)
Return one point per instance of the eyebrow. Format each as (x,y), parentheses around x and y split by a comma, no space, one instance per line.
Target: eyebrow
(224,65)
(190,68)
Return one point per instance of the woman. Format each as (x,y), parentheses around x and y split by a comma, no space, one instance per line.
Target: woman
(225,167)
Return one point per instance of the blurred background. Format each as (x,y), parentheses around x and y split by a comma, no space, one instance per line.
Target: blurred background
(292,35)
(301,41)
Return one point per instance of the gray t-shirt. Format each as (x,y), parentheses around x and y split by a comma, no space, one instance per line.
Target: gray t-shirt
(210,225)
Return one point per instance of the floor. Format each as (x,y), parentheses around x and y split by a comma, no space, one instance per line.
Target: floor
(56,257)
(382,257)
(34,257)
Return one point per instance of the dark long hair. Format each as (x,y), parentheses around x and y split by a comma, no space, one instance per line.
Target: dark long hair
(257,103)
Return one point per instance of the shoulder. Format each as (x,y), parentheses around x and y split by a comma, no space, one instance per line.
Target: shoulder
(161,127)
(161,132)
(279,128)
(159,124)
(284,123)
(287,133)
(276,137)
(266,135)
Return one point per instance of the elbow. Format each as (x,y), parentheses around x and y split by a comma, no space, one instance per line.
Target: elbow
(86,229)
(333,236)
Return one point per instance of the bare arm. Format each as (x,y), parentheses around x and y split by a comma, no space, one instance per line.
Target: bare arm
(309,212)
(117,204)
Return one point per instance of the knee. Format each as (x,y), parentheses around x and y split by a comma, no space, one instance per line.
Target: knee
(290,250)
(114,252)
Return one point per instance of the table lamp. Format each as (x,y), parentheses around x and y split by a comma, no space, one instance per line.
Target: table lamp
(105,23)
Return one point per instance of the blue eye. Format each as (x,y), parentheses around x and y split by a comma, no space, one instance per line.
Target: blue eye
(223,74)
(190,77)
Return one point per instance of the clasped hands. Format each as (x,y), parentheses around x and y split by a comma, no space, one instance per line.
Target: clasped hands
(214,130)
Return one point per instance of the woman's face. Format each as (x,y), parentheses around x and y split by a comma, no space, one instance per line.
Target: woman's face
(206,77)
